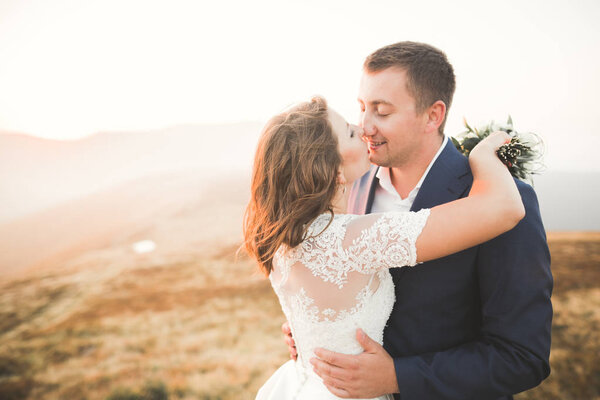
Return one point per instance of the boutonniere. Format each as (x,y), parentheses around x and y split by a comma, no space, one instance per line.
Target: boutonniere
(522,156)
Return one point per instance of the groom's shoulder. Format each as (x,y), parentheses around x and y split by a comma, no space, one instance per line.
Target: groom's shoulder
(530,230)
(527,192)
(528,195)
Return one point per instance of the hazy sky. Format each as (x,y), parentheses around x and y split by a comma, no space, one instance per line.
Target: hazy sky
(72,68)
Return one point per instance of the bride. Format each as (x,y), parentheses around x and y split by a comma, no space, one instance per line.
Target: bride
(330,269)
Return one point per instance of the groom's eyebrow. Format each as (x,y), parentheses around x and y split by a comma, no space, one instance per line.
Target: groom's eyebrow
(378,102)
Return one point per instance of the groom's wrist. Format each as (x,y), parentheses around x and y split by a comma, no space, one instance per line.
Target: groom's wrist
(392,386)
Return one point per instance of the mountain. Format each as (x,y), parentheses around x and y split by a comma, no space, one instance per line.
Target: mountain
(177,211)
(38,173)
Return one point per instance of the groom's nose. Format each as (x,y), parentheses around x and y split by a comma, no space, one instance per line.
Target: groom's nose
(366,122)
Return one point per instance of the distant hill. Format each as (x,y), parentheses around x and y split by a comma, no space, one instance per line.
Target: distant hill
(38,173)
(178,211)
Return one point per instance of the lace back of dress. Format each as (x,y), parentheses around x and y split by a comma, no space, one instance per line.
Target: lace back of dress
(337,280)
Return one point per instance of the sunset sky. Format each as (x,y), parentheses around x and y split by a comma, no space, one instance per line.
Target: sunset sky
(69,69)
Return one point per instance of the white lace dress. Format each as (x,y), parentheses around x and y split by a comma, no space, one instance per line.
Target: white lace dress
(336,281)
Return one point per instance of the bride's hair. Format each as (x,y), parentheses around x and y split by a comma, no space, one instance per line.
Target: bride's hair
(294,179)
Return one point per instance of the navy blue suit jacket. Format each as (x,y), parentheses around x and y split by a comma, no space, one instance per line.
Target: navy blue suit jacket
(475,324)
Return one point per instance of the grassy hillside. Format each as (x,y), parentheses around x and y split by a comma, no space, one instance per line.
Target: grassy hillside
(575,354)
(199,324)
(202,324)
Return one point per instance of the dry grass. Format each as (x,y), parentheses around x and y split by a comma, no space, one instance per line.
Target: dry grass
(207,326)
(575,355)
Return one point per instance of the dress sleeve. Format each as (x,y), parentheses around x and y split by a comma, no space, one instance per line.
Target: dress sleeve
(387,240)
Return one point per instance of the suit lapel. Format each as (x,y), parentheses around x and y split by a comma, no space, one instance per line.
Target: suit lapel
(362,193)
(374,181)
(448,179)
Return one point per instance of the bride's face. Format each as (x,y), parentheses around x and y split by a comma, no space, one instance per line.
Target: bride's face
(355,156)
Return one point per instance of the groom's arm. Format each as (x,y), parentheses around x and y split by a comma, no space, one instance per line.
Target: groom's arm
(512,353)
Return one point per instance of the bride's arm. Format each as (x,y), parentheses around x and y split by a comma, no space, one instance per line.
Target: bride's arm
(493,206)
(395,239)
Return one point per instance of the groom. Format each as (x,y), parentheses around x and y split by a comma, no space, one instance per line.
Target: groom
(473,325)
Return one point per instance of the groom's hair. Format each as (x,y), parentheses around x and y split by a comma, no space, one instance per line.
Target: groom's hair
(429,74)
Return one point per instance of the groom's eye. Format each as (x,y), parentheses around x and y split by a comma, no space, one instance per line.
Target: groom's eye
(382,112)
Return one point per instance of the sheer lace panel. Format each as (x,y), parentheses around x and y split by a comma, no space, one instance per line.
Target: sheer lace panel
(333,272)
(327,301)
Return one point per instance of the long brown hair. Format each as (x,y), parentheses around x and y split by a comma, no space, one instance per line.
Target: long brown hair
(294,179)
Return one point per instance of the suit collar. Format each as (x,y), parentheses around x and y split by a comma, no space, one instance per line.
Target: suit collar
(449,178)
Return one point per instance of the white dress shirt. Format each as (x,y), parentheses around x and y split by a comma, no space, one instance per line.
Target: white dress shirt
(387,198)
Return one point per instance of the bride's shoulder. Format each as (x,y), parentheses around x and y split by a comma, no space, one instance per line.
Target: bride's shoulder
(328,223)
(321,233)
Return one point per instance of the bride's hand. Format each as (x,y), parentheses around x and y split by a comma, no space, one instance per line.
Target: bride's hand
(493,206)
(289,340)
(489,145)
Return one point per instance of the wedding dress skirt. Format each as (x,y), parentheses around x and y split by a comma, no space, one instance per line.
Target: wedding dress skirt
(288,383)
(336,281)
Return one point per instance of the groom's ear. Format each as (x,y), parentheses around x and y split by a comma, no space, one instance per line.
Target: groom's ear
(435,116)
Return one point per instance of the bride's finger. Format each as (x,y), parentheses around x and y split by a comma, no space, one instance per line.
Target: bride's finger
(285,328)
(497,139)
(289,341)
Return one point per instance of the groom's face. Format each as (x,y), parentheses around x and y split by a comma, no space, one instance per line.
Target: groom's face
(392,127)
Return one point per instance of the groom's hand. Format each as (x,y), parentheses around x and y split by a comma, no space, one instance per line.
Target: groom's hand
(366,375)
(289,340)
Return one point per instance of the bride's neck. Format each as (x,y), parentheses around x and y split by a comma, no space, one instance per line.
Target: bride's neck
(340,201)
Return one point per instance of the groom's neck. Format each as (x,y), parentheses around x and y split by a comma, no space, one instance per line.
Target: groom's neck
(405,177)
